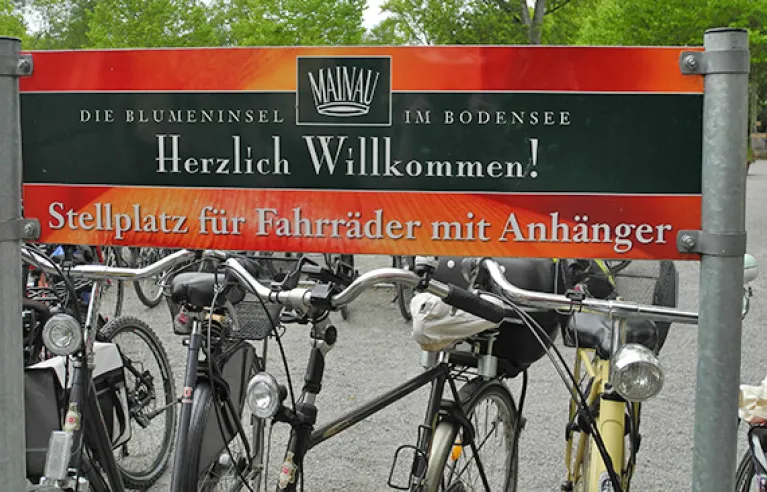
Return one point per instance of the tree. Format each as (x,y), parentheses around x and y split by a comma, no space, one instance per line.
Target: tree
(386,32)
(679,23)
(149,23)
(473,21)
(289,22)
(62,24)
(11,22)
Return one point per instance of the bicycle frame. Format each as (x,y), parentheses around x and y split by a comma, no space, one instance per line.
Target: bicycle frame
(304,436)
(611,419)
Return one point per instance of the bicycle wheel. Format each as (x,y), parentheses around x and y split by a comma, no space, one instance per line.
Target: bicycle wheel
(404,293)
(226,471)
(449,468)
(745,477)
(151,404)
(148,290)
(114,290)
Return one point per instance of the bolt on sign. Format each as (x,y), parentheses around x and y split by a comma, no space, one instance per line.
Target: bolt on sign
(498,151)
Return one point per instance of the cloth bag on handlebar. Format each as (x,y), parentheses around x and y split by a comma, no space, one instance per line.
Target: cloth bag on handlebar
(752,402)
(436,325)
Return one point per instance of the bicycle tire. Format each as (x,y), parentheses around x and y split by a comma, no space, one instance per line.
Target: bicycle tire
(144,479)
(113,253)
(199,425)
(745,474)
(146,299)
(404,293)
(472,395)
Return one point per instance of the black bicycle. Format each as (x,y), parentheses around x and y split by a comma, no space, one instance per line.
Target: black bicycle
(468,439)
(220,321)
(90,394)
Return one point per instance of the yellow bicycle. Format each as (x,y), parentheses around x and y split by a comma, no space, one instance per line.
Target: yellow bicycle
(617,369)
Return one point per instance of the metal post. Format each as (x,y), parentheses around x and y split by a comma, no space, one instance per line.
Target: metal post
(12,230)
(722,244)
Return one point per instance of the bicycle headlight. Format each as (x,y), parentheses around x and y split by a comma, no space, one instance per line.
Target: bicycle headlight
(636,373)
(263,395)
(62,334)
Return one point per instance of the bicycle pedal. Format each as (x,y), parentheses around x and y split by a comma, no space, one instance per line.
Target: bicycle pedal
(409,460)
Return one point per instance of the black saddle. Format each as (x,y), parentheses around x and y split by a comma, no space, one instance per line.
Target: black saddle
(590,330)
(197,290)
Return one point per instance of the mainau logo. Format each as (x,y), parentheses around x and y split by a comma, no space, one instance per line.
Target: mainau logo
(344,91)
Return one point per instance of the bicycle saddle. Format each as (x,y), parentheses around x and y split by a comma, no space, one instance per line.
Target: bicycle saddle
(590,330)
(196,290)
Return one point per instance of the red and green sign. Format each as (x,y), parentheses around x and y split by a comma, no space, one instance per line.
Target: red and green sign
(497,151)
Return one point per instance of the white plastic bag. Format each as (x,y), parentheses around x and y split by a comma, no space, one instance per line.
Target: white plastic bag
(437,325)
(752,402)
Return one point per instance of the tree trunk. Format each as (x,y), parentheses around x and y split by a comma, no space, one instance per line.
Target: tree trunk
(536,27)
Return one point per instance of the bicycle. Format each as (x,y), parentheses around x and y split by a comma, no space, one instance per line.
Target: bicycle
(344,265)
(433,467)
(148,290)
(752,467)
(404,293)
(221,324)
(91,390)
(82,255)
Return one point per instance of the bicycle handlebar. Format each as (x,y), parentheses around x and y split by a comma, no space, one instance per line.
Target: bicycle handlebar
(301,298)
(621,309)
(100,272)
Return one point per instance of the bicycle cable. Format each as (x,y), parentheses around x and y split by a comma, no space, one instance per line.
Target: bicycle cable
(574,390)
(218,410)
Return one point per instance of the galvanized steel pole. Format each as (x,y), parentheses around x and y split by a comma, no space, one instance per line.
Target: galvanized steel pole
(722,244)
(12,230)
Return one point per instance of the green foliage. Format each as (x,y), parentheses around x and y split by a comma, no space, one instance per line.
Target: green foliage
(563,26)
(11,22)
(457,21)
(148,23)
(487,21)
(289,22)
(386,32)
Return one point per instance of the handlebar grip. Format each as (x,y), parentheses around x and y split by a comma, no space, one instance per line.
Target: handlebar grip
(474,304)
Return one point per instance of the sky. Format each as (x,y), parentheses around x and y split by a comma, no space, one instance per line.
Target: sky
(373,14)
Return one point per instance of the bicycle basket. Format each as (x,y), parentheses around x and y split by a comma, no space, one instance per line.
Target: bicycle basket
(251,321)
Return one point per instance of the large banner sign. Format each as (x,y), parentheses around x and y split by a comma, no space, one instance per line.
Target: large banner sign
(497,151)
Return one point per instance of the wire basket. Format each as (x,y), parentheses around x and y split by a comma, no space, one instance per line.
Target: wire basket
(251,321)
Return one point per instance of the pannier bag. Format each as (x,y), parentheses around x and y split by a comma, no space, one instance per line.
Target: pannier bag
(45,401)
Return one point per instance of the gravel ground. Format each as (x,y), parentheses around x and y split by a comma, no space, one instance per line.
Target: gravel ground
(375,351)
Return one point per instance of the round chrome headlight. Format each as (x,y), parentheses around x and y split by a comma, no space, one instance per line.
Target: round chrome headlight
(636,373)
(62,334)
(263,395)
